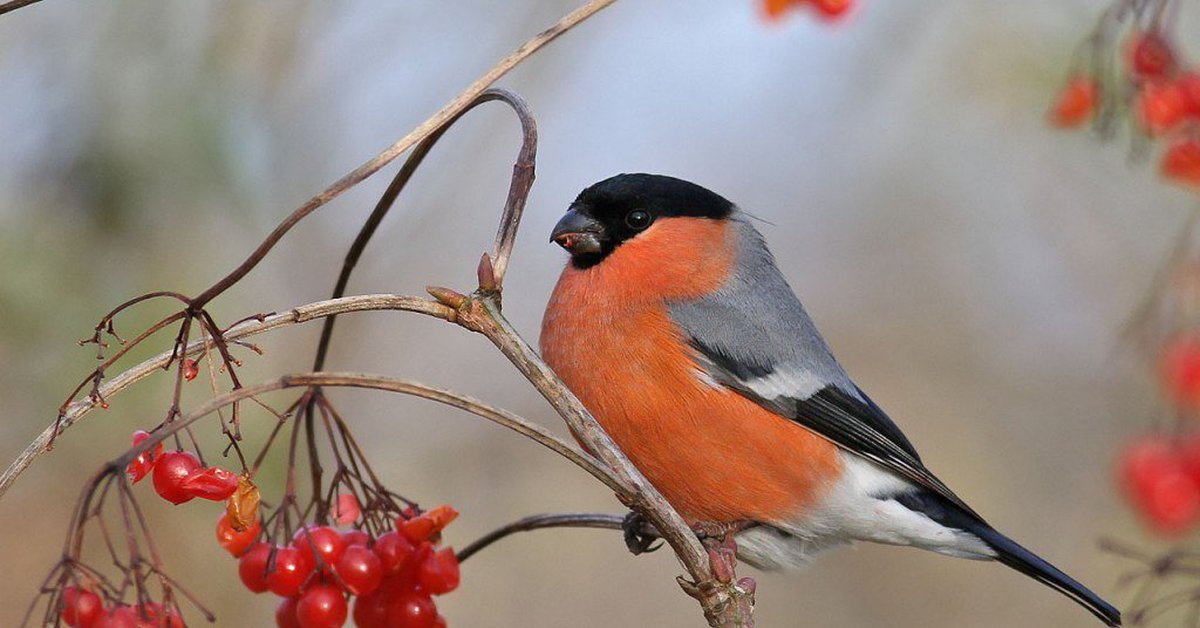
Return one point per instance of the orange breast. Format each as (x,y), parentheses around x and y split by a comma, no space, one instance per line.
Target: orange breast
(715,455)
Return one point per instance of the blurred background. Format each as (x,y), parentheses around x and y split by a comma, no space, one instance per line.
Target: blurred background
(971,267)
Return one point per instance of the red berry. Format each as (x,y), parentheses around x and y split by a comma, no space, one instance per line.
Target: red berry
(441,622)
(1189,83)
(172,468)
(346,509)
(774,9)
(355,537)
(394,551)
(156,616)
(143,464)
(190,369)
(285,613)
(1156,480)
(252,567)
(438,573)
(360,569)
(80,607)
(1179,364)
(236,542)
(327,542)
(1076,102)
(122,616)
(1181,164)
(832,9)
(1161,106)
(292,569)
(1152,56)
(322,606)
(412,609)
(212,483)
(371,610)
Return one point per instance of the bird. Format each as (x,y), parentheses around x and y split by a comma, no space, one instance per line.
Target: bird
(675,328)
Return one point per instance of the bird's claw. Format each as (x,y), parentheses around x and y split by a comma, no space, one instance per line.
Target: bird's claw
(638,537)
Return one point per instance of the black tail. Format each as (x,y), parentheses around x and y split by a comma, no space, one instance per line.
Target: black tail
(1008,552)
(1028,563)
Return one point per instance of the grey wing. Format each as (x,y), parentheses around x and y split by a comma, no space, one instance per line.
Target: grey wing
(754,336)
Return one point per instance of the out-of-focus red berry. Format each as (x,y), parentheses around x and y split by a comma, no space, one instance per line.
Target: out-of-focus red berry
(212,483)
(360,569)
(285,613)
(394,551)
(292,569)
(171,469)
(234,541)
(439,573)
(143,464)
(1181,164)
(252,567)
(775,9)
(1151,56)
(327,542)
(158,616)
(1076,102)
(346,509)
(322,606)
(832,9)
(80,607)
(355,537)
(1156,480)
(412,609)
(1161,106)
(1189,82)
(440,622)
(1179,362)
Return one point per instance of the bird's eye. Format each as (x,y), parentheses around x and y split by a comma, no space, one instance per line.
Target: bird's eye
(638,219)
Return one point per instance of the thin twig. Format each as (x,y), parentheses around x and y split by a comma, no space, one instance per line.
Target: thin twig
(72,413)
(539,522)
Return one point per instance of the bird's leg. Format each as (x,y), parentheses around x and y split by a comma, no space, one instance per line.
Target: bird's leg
(737,604)
(640,535)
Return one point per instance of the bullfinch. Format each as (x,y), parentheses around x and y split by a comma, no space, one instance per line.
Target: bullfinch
(674,327)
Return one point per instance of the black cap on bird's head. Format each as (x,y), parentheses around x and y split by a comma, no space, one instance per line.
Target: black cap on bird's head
(616,209)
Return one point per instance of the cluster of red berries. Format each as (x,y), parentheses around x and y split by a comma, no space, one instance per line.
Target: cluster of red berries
(82,608)
(829,9)
(1165,102)
(393,576)
(1160,473)
(178,475)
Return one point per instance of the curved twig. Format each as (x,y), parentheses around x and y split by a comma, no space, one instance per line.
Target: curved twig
(253,326)
(426,128)
(518,191)
(593,520)
(391,384)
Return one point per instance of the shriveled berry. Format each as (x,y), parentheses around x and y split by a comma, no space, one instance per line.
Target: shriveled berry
(143,464)
(212,483)
(439,573)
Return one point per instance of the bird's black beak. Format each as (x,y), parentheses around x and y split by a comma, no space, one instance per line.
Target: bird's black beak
(578,234)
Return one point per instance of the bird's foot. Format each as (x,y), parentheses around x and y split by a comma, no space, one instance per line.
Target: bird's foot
(719,529)
(640,535)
